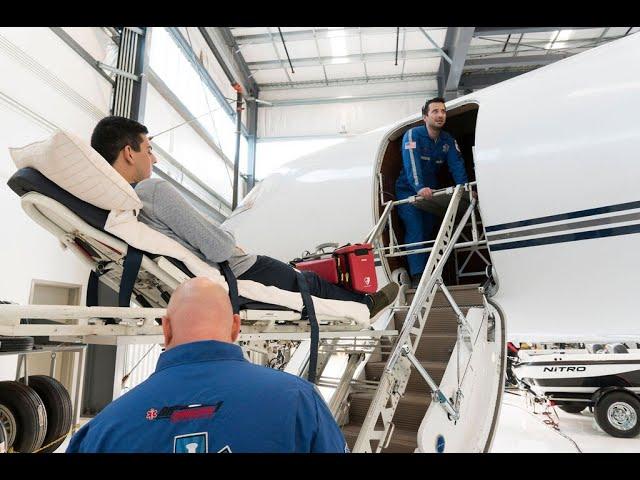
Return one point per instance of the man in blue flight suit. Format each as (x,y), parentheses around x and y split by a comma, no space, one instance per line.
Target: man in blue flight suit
(205,397)
(425,150)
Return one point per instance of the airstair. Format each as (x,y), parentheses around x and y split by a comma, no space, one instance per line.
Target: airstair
(382,408)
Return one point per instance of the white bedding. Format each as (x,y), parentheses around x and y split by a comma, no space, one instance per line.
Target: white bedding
(72,164)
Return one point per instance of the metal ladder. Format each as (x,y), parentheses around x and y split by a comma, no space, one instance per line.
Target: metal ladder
(395,377)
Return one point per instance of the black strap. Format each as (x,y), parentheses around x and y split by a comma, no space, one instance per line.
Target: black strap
(92,289)
(233,285)
(309,312)
(130,270)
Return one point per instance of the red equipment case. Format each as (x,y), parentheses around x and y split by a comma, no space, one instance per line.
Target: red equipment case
(351,266)
(326,268)
(357,267)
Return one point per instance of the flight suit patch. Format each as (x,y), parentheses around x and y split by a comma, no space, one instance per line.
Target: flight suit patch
(191,443)
(180,413)
(410,145)
(445,148)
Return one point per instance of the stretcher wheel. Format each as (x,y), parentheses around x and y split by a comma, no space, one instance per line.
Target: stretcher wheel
(618,414)
(57,403)
(29,413)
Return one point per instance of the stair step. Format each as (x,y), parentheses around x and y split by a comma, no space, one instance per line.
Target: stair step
(416,384)
(402,441)
(436,347)
(464,295)
(409,413)
(440,320)
(433,347)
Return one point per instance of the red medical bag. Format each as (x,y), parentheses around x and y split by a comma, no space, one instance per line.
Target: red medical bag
(351,266)
(357,267)
(326,268)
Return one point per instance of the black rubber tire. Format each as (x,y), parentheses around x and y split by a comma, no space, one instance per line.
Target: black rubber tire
(29,412)
(602,418)
(573,407)
(16,344)
(57,403)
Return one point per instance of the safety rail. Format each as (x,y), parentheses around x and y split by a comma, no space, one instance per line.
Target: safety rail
(468,246)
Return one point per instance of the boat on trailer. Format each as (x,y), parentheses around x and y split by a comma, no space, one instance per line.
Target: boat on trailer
(603,377)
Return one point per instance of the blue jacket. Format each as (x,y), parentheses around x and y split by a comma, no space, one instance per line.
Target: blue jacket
(205,397)
(422,158)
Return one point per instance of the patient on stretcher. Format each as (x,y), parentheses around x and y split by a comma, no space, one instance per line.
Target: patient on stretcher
(125,146)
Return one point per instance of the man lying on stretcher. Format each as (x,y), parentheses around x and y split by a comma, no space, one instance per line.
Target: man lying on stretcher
(125,145)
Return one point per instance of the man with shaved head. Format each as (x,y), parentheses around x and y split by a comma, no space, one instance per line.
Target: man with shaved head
(205,397)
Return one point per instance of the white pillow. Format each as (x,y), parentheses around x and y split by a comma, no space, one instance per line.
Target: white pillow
(73,165)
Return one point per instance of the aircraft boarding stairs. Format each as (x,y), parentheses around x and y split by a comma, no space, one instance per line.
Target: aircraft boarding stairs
(379,404)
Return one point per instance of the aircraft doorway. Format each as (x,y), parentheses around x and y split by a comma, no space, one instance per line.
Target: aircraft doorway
(466,265)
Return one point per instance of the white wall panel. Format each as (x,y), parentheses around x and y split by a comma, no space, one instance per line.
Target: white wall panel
(334,118)
(38,54)
(44,84)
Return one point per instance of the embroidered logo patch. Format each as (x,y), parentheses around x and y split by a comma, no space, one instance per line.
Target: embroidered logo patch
(180,413)
(445,148)
(410,145)
(191,443)
(152,413)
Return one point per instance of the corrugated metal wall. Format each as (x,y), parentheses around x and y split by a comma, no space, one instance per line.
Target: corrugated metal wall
(139,362)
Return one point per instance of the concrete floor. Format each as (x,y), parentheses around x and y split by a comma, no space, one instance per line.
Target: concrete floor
(519,430)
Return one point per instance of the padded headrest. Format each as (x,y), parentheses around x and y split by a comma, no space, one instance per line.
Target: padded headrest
(29,179)
(72,164)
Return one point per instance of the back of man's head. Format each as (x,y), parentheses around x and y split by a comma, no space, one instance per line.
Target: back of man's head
(199,309)
(112,134)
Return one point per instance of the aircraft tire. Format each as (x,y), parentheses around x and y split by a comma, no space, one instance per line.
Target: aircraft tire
(57,403)
(29,413)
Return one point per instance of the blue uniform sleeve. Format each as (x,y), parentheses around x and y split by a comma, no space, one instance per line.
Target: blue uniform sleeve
(411,161)
(75,444)
(328,437)
(456,163)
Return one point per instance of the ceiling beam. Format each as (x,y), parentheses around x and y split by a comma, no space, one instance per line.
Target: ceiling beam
(488,31)
(407,77)
(347,98)
(519,61)
(302,35)
(356,58)
(456,44)
(230,59)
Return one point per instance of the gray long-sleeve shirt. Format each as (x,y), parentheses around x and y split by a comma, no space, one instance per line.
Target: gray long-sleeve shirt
(167,211)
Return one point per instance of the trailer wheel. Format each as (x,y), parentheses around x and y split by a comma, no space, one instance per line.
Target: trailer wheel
(7,428)
(618,414)
(57,403)
(29,413)
(572,407)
